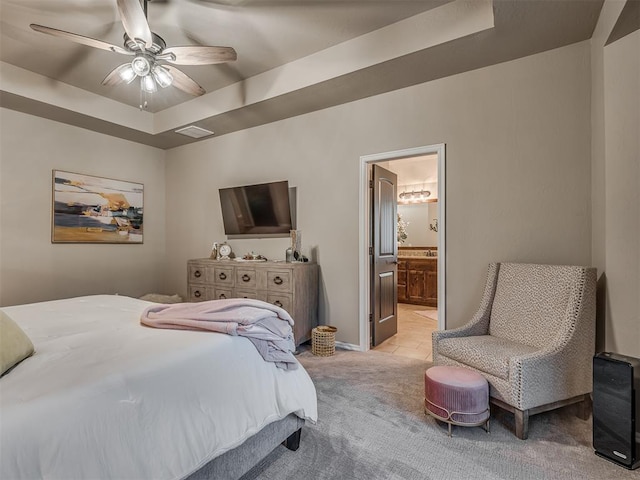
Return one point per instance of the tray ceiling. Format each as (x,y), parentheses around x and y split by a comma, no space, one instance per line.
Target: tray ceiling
(294,56)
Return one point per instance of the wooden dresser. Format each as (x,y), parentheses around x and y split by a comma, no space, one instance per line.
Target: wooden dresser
(292,286)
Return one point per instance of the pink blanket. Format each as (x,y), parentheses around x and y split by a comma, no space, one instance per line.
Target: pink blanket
(268,327)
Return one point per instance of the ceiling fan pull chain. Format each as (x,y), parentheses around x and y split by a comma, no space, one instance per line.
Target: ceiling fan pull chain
(143,98)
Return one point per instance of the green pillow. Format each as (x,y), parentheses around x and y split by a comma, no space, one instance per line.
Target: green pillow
(15,346)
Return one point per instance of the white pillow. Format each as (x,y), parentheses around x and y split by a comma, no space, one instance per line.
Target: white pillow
(15,346)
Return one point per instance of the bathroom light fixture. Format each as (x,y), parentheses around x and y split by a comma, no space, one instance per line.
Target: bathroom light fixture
(415,196)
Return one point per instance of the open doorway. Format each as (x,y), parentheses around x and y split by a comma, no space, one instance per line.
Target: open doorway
(421,248)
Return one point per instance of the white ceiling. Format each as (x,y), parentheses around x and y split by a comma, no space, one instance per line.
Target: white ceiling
(294,56)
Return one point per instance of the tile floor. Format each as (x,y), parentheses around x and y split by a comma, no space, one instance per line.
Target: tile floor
(414,333)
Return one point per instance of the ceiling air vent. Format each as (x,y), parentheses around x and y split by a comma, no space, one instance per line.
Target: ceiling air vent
(194,132)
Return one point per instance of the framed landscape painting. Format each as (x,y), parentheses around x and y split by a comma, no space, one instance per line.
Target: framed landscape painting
(89,209)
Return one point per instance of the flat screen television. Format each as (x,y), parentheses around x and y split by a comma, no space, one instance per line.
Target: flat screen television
(257,210)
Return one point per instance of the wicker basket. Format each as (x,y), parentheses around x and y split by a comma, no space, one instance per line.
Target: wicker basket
(323,340)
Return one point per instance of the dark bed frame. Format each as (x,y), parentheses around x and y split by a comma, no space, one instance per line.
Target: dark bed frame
(235,463)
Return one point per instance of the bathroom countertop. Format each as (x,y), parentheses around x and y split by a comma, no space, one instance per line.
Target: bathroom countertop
(417,252)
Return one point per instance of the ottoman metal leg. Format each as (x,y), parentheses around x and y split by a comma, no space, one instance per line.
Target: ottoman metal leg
(449,418)
(457,396)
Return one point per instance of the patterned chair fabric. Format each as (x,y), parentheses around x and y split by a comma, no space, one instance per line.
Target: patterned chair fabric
(533,337)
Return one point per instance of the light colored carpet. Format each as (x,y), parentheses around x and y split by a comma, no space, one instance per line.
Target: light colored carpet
(432,314)
(372,426)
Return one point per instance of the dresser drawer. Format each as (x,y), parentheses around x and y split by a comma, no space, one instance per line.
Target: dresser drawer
(279,281)
(280,300)
(246,294)
(197,273)
(199,293)
(246,278)
(223,276)
(222,293)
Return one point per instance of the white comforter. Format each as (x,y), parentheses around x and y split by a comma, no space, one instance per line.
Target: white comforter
(104,397)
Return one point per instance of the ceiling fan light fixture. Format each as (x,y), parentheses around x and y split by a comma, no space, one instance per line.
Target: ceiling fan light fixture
(145,49)
(141,66)
(162,76)
(148,84)
(127,74)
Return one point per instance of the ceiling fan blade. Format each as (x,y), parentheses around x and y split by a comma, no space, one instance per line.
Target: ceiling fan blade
(198,55)
(134,21)
(74,37)
(114,78)
(184,82)
(90,7)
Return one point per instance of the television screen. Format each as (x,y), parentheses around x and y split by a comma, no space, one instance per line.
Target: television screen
(262,209)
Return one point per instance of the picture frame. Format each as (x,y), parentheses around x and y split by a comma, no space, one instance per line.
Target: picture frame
(92,209)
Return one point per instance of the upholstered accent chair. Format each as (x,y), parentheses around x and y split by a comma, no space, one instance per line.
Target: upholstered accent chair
(533,339)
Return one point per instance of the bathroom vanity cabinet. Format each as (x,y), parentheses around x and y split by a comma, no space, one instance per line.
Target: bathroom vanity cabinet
(418,281)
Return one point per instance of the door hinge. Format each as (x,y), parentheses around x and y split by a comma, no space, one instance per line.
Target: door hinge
(370,183)
(370,250)
(371,317)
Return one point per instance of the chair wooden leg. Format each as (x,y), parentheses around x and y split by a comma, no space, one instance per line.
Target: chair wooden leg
(522,423)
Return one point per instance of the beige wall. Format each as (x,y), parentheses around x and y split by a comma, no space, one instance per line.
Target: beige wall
(615,149)
(519,186)
(622,196)
(518,176)
(31,267)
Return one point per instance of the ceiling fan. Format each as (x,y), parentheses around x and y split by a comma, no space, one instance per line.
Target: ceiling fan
(148,50)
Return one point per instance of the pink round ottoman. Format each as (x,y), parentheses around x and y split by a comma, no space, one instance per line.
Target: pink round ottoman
(457,395)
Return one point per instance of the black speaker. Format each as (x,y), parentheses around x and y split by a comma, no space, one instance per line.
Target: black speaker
(616,408)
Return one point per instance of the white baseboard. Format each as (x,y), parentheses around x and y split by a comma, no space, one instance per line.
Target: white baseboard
(348,346)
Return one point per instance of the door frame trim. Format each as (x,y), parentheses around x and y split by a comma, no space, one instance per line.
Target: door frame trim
(364,204)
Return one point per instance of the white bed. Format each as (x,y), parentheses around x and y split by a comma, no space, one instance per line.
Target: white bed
(104,397)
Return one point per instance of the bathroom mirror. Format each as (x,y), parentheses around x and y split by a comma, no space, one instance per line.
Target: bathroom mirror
(419,217)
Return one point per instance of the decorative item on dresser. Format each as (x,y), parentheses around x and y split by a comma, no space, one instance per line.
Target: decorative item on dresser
(292,286)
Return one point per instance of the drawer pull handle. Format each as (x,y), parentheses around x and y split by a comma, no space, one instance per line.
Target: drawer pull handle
(222,296)
(277,281)
(197,294)
(246,278)
(222,276)
(197,274)
(278,303)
